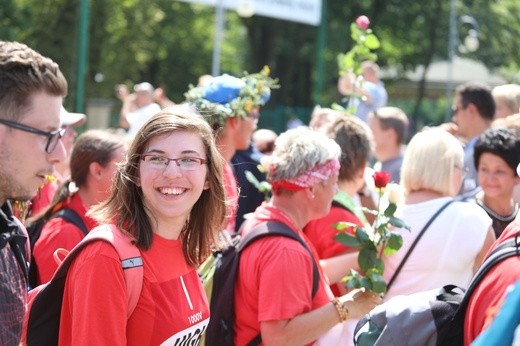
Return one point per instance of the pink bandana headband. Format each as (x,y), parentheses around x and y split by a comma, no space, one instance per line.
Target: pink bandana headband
(313,176)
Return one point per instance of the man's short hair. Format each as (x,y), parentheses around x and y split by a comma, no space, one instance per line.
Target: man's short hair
(478,94)
(24,72)
(393,118)
(509,94)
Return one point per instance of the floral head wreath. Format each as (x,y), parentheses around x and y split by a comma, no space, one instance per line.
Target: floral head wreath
(227,96)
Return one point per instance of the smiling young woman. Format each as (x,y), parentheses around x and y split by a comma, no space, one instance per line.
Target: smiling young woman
(168,198)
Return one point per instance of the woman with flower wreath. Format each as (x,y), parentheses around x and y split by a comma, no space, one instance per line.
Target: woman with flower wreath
(231,106)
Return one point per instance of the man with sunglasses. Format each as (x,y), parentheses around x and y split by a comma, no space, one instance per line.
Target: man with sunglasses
(473,111)
(32,88)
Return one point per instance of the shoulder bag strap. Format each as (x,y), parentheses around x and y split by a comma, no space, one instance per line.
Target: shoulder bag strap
(271,228)
(508,248)
(405,258)
(71,216)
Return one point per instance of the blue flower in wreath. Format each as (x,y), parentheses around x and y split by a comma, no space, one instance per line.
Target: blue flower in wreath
(223,89)
(265,96)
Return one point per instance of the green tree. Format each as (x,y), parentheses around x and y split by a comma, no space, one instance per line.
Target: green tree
(170,43)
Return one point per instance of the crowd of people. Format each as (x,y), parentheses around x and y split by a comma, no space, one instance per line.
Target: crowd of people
(185,177)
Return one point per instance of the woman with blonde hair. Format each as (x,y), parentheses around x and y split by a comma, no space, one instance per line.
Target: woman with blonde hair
(455,243)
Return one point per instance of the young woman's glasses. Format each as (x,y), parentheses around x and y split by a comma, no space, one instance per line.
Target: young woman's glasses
(53,137)
(184,163)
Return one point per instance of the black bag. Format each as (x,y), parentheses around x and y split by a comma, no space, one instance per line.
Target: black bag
(34,230)
(433,317)
(41,322)
(225,263)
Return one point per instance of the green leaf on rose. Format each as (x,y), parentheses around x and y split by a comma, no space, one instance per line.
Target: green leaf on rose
(372,42)
(390,210)
(365,282)
(378,282)
(363,236)
(379,265)
(348,240)
(395,242)
(352,283)
(340,226)
(367,259)
(397,222)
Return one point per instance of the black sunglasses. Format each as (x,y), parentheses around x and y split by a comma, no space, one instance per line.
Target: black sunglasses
(53,137)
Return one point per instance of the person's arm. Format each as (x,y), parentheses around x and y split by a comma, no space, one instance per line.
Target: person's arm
(128,107)
(309,326)
(488,241)
(337,267)
(161,98)
(346,84)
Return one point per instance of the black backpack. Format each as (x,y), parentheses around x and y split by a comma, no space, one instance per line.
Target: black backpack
(220,330)
(433,317)
(34,229)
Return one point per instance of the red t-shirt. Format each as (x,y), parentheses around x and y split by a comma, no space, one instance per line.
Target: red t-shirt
(321,234)
(487,298)
(58,233)
(172,308)
(231,187)
(274,279)
(44,197)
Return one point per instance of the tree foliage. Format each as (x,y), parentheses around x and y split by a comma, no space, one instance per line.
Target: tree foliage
(170,43)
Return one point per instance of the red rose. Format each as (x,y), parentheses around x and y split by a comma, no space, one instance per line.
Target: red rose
(363,22)
(381,179)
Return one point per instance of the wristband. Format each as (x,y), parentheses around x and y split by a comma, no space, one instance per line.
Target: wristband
(341,308)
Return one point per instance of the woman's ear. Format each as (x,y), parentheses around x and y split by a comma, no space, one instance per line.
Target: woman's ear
(232,122)
(95,169)
(310,192)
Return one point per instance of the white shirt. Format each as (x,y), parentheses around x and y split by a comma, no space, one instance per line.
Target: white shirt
(138,118)
(446,252)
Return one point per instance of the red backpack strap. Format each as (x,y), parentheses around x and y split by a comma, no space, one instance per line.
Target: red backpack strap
(131,260)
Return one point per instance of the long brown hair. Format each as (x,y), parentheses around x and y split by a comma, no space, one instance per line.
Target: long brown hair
(125,206)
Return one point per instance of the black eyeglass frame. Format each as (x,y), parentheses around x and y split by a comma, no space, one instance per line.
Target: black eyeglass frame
(50,135)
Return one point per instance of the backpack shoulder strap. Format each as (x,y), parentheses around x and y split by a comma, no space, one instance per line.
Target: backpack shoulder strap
(131,260)
(275,228)
(42,319)
(71,216)
(508,248)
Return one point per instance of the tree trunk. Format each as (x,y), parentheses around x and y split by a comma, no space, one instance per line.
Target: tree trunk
(432,40)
